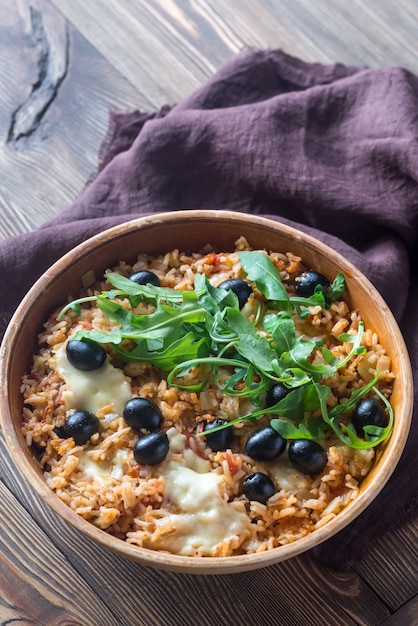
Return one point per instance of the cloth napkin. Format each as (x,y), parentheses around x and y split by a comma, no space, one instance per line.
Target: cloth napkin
(332,150)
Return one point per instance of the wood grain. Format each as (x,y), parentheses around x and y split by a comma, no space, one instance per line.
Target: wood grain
(179,43)
(153,44)
(51,141)
(49,33)
(406,616)
(38,584)
(375,33)
(396,556)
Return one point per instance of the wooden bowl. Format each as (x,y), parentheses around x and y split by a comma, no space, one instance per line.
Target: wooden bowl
(191,230)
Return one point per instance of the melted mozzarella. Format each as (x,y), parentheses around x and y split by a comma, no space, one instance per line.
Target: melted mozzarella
(90,467)
(177,440)
(203,519)
(112,469)
(91,391)
(286,477)
(116,468)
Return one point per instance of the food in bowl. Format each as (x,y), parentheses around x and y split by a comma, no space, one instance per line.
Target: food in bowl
(208,404)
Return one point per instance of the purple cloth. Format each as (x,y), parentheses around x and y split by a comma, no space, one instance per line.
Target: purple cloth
(330,149)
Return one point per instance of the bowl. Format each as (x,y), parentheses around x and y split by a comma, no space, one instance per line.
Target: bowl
(187,230)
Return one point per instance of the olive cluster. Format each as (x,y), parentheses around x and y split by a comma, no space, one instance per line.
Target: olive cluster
(142,414)
(265,444)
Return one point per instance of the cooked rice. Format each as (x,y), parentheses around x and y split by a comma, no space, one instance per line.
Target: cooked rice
(102,482)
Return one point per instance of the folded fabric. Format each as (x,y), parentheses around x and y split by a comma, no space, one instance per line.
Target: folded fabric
(329,149)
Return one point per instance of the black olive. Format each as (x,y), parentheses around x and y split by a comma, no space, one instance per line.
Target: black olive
(306,283)
(368,412)
(222,439)
(276,393)
(151,449)
(81,425)
(142,413)
(60,432)
(307,456)
(85,354)
(240,287)
(145,277)
(265,444)
(259,487)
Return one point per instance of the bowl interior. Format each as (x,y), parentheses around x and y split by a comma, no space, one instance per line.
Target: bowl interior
(191,231)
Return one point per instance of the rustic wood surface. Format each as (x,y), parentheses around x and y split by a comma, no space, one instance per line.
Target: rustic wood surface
(63,63)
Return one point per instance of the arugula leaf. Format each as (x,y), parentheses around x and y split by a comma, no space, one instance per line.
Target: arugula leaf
(298,356)
(329,357)
(171,355)
(282,329)
(292,377)
(254,347)
(374,435)
(317,299)
(290,406)
(317,427)
(165,321)
(244,382)
(290,431)
(220,331)
(75,305)
(346,432)
(349,404)
(321,297)
(111,337)
(183,368)
(356,341)
(336,289)
(261,269)
(214,299)
(150,293)
(311,397)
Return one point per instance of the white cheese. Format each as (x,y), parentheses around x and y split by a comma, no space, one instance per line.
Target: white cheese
(101,470)
(203,519)
(90,467)
(116,467)
(196,463)
(177,440)
(286,477)
(91,391)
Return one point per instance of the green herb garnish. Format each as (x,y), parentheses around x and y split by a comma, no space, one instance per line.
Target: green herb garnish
(205,328)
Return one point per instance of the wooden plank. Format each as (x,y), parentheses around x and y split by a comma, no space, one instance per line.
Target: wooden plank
(278,594)
(182,42)
(407,615)
(261,25)
(375,33)
(37,583)
(391,568)
(141,44)
(51,141)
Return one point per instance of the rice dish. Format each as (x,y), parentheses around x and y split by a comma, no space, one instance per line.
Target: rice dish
(195,500)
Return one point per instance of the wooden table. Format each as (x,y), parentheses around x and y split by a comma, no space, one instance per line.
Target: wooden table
(63,64)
